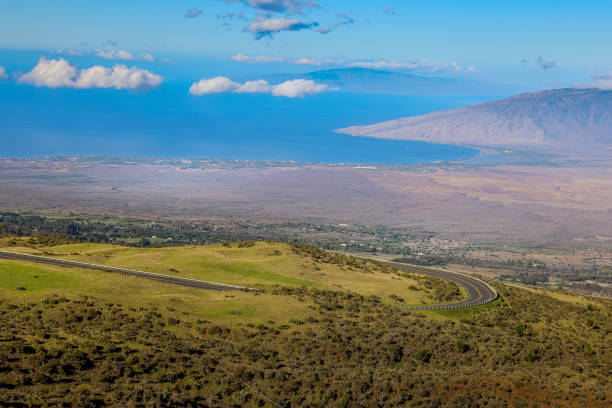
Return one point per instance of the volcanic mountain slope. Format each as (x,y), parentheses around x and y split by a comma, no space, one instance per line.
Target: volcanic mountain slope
(559,118)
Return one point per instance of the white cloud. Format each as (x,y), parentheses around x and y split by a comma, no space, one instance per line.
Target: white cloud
(422,64)
(260,59)
(113,54)
(259,86)
(51,73)
(109,54)
(218,84)
(296,88)
(146,57)
(118,77)
(3,74)
(267,27)
(123,55)
(59,73)
(308,61)
(70,52)
(427,65)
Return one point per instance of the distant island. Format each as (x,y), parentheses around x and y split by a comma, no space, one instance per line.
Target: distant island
(374,81)
(552,120)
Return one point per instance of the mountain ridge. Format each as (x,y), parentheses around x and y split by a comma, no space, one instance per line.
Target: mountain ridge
(546,119)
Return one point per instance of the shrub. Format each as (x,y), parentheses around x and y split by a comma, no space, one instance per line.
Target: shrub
(462,347)
(424,355)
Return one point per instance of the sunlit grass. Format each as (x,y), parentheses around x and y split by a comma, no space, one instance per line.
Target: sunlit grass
(263,264)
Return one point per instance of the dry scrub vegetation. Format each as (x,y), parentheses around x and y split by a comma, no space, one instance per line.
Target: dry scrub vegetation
(346,349)
(530,350)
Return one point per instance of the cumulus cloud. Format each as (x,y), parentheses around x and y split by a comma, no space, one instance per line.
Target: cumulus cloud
(54,73)
(296,88)
(51,73)
(193,13)
(3,74)
(343,19)
(545,65)
(279,6)
(433,66)
(118,77)
(268,27)
(123,55)
(260,59)
(259,86)
(214,85)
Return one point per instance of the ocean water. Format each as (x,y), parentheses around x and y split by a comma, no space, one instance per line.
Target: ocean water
(169,122)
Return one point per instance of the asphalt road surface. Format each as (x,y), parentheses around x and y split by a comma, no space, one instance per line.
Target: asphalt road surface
(478,292)
(175,280)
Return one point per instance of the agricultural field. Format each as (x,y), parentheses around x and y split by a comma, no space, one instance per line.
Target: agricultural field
(324,329)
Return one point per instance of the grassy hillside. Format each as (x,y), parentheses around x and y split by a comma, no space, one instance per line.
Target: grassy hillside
(263,265)
(87,338)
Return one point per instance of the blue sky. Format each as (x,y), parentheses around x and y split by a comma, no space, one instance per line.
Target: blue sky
(491,36)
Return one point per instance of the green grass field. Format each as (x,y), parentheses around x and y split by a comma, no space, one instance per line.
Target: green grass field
(42,281)
(264,265)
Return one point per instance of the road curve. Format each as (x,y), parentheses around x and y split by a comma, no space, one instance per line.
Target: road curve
(174,280)
(478,292)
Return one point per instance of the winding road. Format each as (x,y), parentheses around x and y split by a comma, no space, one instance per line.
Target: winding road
(478,292)
(175,280)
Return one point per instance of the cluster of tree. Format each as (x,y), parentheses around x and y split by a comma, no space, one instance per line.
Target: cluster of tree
(140,232)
